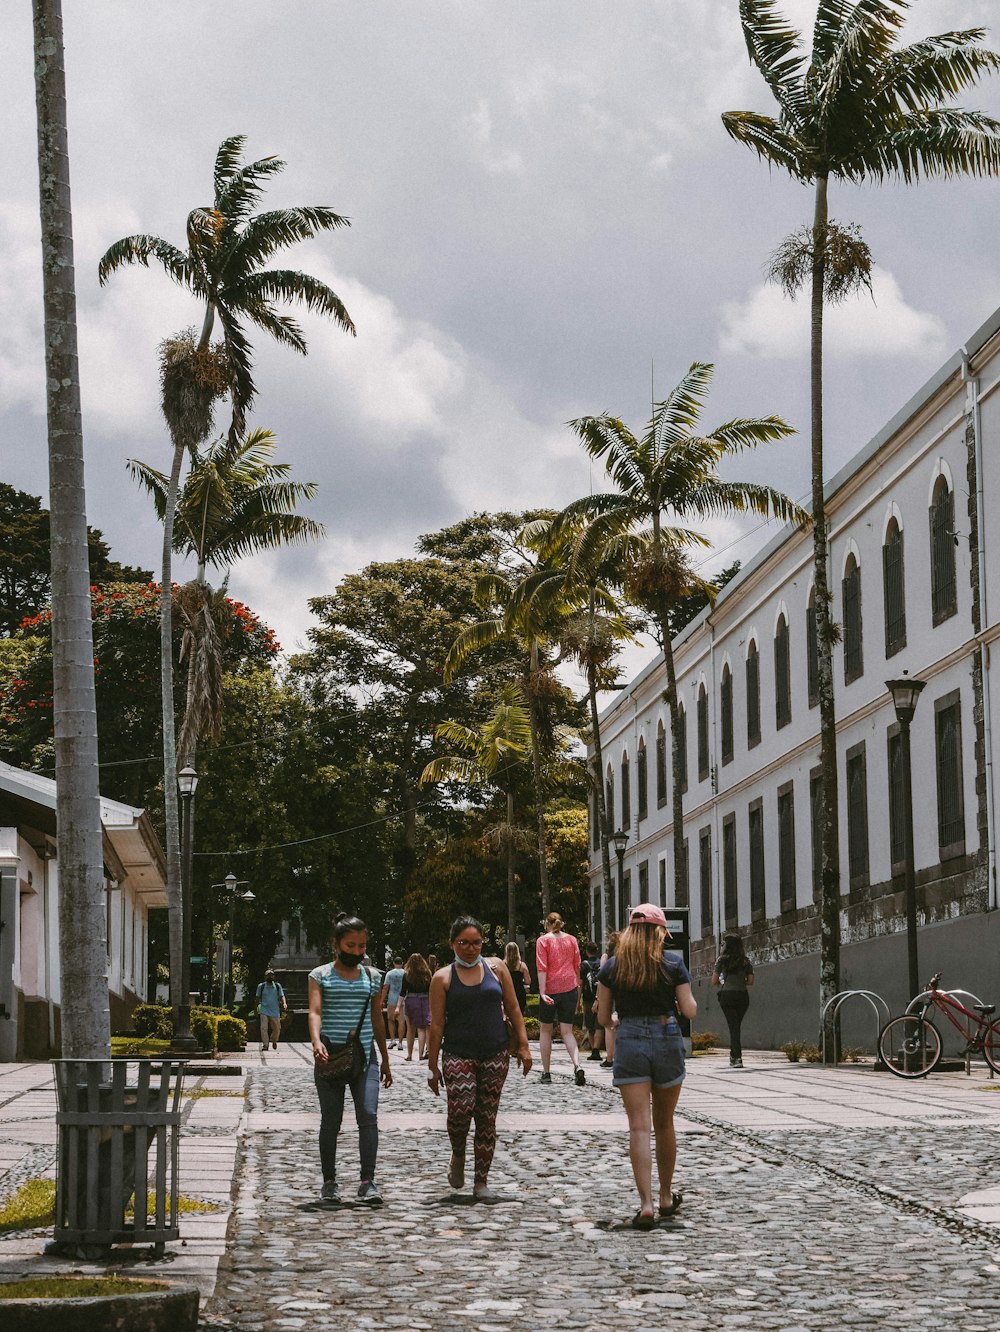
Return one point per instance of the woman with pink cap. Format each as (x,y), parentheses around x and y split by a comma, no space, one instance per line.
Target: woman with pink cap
(648,989)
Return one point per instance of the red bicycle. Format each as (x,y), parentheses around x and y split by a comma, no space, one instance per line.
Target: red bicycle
(910,1045)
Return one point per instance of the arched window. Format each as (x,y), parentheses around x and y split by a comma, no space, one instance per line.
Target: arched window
(642,779)
(726,713)
(893,589)
(854,664)
(782,675)
(812,651)
(753,695)
(944,587)
(703,763)
(661,765)
(626,795)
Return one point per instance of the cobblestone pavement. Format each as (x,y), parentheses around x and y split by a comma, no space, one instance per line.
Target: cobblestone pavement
(842,1211)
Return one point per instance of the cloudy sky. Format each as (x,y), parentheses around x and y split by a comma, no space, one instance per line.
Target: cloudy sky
(545,209)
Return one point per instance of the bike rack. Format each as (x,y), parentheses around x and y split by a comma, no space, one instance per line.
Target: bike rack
(923,1000)
(877,1004)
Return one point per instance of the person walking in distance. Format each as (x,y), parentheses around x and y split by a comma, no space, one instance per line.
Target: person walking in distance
(270,1006)
(343,998)
(589,968)
(609,1032)
(468,1002)
(732,977)
(648,988)
(413,1004)
(557,957)
(389,999)
(519,974)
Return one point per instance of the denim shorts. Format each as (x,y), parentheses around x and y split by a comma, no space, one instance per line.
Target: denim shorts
(648,1049)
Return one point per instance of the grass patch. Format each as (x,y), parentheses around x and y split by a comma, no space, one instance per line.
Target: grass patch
(75,1288)
(138,1047)
(200,1093)
(704,1040)
(34,1204)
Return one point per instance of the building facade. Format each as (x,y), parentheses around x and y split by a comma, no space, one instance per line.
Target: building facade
(135,884)
(915,575)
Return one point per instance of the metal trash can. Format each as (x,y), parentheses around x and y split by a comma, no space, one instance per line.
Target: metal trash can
(117,1143)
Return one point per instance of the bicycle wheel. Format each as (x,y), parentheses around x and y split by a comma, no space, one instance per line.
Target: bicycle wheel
(991,1046)
(910,1046)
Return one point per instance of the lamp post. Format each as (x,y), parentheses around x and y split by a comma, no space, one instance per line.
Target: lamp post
(619,840)
(187,784)
(232,883)
(905,693)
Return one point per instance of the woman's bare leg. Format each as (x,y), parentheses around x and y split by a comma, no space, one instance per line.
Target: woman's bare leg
(664,1101)
(636,1099)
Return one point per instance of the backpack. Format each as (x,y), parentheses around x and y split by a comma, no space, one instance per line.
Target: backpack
(588,978)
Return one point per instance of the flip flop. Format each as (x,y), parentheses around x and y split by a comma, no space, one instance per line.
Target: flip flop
(640,1222)
(675,1201)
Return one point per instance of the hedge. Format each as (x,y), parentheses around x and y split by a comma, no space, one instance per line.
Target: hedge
(213,1028)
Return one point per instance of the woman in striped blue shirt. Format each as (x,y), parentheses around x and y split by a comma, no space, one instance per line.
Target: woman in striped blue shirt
(339,994)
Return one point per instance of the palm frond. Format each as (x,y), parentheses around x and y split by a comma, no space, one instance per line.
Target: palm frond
(153,482)
(266,233)
(941,143)
(774,46)
(744,433)
(771,142)
(608,440)
(717,498)
(283,328)
(227,161)
(140,249)
(293,288)
(472,639)
(678,413)
(936,69)
(452,768)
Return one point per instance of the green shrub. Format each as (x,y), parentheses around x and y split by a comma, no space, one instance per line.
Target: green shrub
(531,1026)
(231,1033)
(811,1054)
(152,1020)
(793,1050)
(205,1028)
(531,1003)
(134,1047)
(704,1040)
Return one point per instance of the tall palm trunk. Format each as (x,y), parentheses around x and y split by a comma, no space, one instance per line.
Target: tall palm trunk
(536,777)
(830,898)
(175,904)
(86,1024)
(603,826)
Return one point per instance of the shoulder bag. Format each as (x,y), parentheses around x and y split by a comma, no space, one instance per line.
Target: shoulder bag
(345,1062)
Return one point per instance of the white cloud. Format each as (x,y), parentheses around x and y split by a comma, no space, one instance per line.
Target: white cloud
(769,326)
(479,133)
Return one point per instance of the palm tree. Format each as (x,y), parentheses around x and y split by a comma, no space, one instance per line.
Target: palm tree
(489,757)
(668,474)
(527,609)
(86,1021)
(235,501)
(227,246)
(856,108)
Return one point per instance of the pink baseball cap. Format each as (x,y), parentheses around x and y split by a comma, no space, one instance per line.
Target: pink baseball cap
(648,913)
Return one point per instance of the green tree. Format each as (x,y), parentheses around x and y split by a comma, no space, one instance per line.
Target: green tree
(86,1019)
(857,107)
(666,476)
(228,244)
(25,559)
(489,756)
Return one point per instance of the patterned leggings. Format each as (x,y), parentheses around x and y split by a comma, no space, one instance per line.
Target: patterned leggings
(474,1087)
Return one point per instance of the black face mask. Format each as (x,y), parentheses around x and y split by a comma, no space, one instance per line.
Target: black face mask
(348,959)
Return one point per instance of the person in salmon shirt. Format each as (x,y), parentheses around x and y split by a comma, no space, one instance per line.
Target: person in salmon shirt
(557,957)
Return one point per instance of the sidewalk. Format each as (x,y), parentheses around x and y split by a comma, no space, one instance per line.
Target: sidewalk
(814,1198)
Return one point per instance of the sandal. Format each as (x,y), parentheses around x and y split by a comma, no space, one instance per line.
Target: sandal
(675,1201)
(641,1222)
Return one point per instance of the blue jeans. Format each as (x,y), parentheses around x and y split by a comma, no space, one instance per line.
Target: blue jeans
(364,1090)
(648,1049)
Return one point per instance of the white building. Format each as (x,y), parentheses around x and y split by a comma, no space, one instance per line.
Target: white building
(915,576)
(135,884)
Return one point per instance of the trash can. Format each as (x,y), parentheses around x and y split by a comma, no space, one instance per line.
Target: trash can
(118,1142)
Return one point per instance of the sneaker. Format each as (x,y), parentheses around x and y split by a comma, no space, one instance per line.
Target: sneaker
(368,1192)
(594,1057)
(329,1193)
(546,1077)
(580,1077)
(274,1045)
(607,1063)
(736,1063)
(263,1047)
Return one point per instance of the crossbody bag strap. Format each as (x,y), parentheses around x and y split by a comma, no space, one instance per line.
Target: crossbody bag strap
(364,1009)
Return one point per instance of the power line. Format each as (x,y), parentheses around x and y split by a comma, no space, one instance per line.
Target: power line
(320,837)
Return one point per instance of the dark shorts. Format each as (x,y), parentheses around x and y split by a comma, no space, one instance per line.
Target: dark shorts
(562,1009)
(589,1017)
(648,1049)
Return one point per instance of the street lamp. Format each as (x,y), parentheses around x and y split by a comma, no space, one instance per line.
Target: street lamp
(905,694)
(619,840)
(187,784)
(231,884)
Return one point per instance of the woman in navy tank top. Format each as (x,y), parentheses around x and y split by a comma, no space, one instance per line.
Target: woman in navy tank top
(469,1002)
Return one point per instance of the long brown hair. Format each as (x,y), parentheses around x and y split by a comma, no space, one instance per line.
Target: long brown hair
(416,973)
(512,957)
(639,957)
